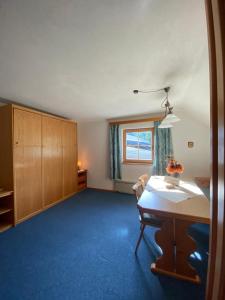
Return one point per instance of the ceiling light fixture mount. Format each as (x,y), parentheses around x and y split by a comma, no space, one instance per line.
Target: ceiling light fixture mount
(169,115)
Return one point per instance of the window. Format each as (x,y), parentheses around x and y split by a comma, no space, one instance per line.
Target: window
(138,145)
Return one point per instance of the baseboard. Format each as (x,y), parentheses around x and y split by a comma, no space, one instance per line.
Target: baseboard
(29,216)
(60,200)
(99,189)
(108,190)
(44,208)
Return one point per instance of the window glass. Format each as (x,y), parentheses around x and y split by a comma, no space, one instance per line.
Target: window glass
(132,144)
(138,145)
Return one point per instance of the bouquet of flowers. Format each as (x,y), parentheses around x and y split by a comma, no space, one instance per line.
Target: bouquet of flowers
(174,168)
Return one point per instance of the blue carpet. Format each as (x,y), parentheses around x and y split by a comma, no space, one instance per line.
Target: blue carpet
(83,248)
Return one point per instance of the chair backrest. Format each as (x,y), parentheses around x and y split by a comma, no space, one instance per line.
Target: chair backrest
(138,189)
(143,179)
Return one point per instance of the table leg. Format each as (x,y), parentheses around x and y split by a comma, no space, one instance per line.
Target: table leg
(185,245)
(164,237)
(176,246)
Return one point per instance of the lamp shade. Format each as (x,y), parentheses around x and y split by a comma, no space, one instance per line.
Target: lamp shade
(171,118)
(165,124)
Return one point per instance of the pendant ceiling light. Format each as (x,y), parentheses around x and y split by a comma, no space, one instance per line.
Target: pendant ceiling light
(165,124)
(169,115)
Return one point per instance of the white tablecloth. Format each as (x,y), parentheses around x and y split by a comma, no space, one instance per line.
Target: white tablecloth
(181,192)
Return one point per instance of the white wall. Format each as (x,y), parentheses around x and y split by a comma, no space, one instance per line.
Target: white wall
(196,160)
(94,154)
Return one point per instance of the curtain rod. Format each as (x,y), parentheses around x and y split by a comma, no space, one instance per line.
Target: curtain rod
(152,119)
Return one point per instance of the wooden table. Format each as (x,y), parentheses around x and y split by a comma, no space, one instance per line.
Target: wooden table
(173,237)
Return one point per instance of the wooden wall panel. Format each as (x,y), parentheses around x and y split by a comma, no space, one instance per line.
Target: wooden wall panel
(69,134)
(28,190)
(52,157)
(69,171)
(27,128)
(52,130)
(18,138)
(69,158)
(27,163)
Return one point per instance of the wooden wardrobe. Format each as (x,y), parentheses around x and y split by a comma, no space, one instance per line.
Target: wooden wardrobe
(38,159)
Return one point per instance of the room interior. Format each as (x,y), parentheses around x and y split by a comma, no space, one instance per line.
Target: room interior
(69,228)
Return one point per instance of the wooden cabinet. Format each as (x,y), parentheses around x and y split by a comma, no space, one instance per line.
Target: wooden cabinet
(27,128)
(27,163)
(52,156)
(37,160)
(69,134)
(69,163)
(27,181)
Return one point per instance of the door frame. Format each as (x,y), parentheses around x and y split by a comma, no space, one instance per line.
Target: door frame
(215,15)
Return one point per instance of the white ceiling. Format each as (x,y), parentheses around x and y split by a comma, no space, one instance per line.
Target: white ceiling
(82,59)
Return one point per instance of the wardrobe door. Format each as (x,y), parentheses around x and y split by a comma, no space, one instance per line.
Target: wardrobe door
(27,163)
(52,158)
(69,158)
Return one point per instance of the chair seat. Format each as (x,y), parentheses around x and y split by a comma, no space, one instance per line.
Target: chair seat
(149,219)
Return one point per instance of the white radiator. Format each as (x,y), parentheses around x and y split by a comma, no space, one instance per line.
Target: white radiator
(123,186)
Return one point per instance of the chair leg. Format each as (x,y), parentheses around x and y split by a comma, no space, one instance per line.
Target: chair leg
(140,237)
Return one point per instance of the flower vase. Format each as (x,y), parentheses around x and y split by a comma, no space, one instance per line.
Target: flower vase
(176,175)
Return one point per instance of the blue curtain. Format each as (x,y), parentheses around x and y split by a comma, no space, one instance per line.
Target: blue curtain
(163,147)
(115,153)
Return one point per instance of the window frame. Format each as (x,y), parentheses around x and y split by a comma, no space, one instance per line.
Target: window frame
(137,161)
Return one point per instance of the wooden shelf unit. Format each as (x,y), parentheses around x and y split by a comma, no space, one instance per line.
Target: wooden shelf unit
(82,180)
(5,193)
(6,210)
(4,227)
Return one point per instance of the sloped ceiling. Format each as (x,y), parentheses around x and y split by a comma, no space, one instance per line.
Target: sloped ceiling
(82,59)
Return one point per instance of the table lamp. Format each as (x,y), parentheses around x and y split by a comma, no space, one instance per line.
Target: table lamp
(79,165)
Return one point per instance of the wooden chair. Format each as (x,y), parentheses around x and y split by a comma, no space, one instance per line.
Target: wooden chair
(143,179)
(145,218)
